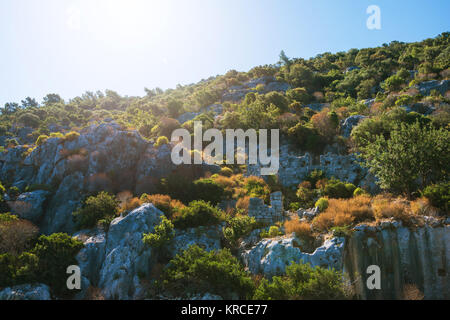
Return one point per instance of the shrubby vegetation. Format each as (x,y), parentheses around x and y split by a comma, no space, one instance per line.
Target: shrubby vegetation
(100,208)
(162,235)
(197,271)
(198,213)
(407,151)
(302,282)
(46,262)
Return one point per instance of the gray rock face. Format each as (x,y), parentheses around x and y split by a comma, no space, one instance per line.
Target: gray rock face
(26,292)
(91,257)
(440,86)
(271,256)
(349,123)
(405,256)
(126,258)
(207,238)
(103,158)
(67,199)
(188,116)
(29,205)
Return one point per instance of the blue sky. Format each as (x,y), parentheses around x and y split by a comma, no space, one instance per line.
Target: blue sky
(72,46)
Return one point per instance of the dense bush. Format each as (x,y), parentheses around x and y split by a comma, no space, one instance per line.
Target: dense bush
(164,203)
(46,263)
(196,271)
(274,231)
(55,253)
(198,213)
(322,204)
(238,227)
(439,195)
(303,282)
(412,157)
(207,190)
(101,207)
(338,189)
(16,235)
(344,212)
(256,187)
(162,235)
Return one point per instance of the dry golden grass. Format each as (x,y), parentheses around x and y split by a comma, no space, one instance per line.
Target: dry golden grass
(386,207)
(242,204)
(164,203)
(131,204)
(302,229)
(423,207)
(411,292)
(344,212)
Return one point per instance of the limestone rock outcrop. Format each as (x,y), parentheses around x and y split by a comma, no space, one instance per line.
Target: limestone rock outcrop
(271,256)
(415,256)
(26,292)
(127,259)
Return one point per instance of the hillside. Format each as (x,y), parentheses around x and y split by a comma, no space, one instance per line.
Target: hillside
(363,180)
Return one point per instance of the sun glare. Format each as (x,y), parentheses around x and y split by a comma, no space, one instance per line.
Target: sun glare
(125,20)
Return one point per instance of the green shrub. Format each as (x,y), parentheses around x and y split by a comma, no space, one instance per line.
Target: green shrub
(238,227)
(273,232)
(345,231)
(359,192)
(162,235)
(294,206)
(95,208)
(256,187)
(198,213)
(303,282)
(227,172)
(338,190)
(2,189)
(196,271)
(207,190)
(439,195)
(7,270)
(161,141)
(322,204)
(55,253)
(41,139)
(306,197)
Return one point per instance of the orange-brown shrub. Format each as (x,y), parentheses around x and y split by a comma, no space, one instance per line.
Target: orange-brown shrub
(302,229)
(344,212)
(411,292)
(16,236)
(242,204)
(423,207)
(164,203)
(305,184)
(131,204)
(385,207)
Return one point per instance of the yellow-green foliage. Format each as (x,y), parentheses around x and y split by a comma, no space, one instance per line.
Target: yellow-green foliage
(161,141)
(56,135)
(71,136)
